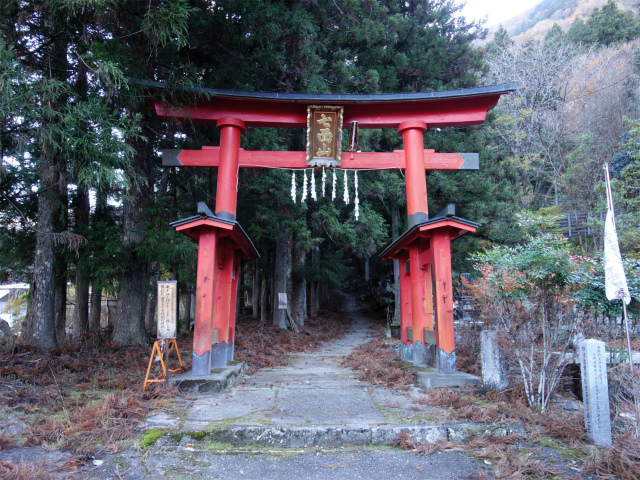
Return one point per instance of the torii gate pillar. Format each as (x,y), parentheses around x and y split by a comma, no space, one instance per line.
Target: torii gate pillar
(227,192)
(425,253)
(221,245)
(415,177)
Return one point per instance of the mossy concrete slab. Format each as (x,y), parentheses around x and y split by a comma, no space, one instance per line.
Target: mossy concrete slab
(216,381)
(430,379)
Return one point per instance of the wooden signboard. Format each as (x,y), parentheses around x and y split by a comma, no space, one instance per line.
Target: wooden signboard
(167,309)
(324,136)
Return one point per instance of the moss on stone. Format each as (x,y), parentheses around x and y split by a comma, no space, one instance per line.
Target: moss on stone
(150,436)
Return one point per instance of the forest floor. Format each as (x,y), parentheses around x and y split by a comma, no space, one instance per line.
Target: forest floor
(80,413)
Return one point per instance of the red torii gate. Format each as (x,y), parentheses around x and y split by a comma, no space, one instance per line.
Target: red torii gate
(222,242)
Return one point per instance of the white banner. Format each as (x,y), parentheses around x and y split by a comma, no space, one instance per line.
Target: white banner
(615,282)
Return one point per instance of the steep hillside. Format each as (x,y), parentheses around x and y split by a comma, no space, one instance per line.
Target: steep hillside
(535,22)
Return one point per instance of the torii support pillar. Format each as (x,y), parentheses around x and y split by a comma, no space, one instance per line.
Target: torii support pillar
(222,243)
(406,322)
(427,245)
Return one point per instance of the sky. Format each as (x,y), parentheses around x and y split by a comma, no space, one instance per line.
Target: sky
(497,11)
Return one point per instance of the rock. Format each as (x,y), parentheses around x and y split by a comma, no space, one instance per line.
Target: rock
(162,420)
(14,427)
(7,339)
(571,405)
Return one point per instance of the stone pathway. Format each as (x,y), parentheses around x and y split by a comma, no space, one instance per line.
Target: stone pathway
(312,401)
(312,389)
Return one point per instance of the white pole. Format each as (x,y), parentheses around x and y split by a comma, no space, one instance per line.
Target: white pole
(624,306)
(626,327)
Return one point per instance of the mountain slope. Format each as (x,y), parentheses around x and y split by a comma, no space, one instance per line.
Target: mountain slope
(535,22)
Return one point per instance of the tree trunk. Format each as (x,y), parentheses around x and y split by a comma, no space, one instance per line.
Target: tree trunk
(96,290)
(187,311)
(263,302)
(129,328)
(39,328)
(283,271)
(315,288)
(366,269)
(273,299)
(96,309)
(288,269)
(152,300)
(80,321)
(61,296)
(299,297)
(255,293)
(395,233)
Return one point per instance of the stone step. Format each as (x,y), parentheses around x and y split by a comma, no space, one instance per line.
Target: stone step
(217,381)
(336,436)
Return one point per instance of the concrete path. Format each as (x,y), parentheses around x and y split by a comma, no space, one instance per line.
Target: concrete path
(312,389)
(312,401)
(309,419)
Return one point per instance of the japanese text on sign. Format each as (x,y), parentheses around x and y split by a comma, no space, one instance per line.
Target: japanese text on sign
(324,135)
(167,309)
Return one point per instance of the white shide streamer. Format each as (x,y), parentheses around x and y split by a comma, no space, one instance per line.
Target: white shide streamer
(333,192)
(313,186)
(324,180)
(304,187)
(346,188)
(293,186)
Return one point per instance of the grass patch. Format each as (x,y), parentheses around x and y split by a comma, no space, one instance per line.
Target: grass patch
(151,436)
(216,446)
(568,452)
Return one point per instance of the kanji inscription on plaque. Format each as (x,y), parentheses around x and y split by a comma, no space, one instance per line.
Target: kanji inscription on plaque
(324,136)
(167,308)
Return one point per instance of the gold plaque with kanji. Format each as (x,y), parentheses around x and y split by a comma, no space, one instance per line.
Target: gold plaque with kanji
(324,136)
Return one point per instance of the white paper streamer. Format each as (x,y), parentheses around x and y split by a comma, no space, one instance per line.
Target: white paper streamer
(346,188)
(333,192)
(313,186)
(324,180)
(357,200)
(293,186)
(304,187)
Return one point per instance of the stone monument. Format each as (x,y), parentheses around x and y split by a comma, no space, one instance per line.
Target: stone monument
(595,391)
(494,362)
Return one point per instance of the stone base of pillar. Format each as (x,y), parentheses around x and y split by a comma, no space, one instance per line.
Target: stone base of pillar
(423,355)
(219,355)
(431,355)
(419,354)
(446,362)
(406,353)
(230,351)
(201,364)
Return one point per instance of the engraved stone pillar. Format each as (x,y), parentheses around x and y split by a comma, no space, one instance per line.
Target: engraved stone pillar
(595,391)
(494,362)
